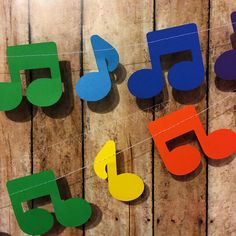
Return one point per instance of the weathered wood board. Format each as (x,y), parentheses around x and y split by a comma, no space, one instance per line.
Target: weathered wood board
(15,158)
(221,175)
(68,135)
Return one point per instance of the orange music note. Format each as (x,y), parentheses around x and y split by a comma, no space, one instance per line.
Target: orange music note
(185,159)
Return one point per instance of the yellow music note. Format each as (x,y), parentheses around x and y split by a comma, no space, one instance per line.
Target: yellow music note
(124,187)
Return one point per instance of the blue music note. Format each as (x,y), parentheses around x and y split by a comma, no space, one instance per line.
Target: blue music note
(185,75)
(95,86)
(225,63)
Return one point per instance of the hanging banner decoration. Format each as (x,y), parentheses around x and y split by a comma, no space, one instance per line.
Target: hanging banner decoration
(73,212)
(41,92)
(186,75)
(185,159)
(225,64)
(94,86)
(123,187)
(143,84)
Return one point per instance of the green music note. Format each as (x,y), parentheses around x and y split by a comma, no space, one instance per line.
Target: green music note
(41,92)
(70,213)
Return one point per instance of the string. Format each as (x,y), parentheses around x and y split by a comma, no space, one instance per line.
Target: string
(133,44)
(142,141)
(158,104)
(93,175)
(129,117)
(114,121)
(151,108)
(211,49)
(101,126)
(125,149)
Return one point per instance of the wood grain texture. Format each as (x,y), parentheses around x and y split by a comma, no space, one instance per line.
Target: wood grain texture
(222,174)
(199,204)
(122,23)
(15,158)
(180,203)
(57,129)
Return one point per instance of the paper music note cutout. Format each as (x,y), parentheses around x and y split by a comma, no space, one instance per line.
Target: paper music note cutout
(186,75)
(94,86)
(225,64)
(185,159)
(124,187)
(70,213)
(41,92)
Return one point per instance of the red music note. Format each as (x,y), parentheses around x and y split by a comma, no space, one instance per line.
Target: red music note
(186,158)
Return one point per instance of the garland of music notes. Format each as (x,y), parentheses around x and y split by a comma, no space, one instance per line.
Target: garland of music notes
(143,84)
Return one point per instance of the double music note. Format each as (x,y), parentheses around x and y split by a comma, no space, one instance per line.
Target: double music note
(41,92)
(124,187)
(95,86)
(185,75)
(70,213)
(185,159)
(225,64)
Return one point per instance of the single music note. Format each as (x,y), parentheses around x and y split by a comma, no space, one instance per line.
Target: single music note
(185,159)
(225,64)
(185,75)
(94,86)
(70,213)
(124,187)
(41,92)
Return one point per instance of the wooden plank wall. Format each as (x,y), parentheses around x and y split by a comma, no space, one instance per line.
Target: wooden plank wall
(221,176)
(68,135)
(187,195)
(16,158)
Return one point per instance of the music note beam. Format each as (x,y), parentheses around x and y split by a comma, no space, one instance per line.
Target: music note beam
(73,212)
(95,86)
(225,64)
(147,83)
(123,187)
(185,159)
(41,92)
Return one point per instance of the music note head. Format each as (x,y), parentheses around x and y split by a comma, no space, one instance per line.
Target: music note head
(126,187)
(186,76)
(73,212)
(94,86)
(11,95)
(145,83)
(44,92)
(182,160)
(225,65)
(220,144)
(36,222)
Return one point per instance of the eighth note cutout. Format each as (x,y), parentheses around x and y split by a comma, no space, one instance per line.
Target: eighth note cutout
(185,159)
(41,92)
(184,76)
(72,212)
(123,187)
(94,86)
